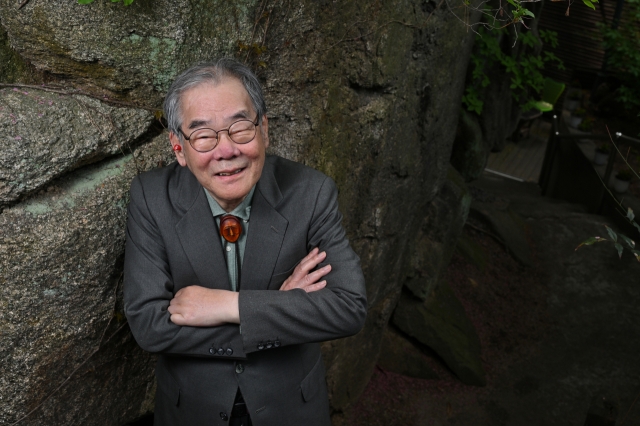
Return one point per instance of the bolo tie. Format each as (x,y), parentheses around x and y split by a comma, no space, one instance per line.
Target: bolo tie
(231,229)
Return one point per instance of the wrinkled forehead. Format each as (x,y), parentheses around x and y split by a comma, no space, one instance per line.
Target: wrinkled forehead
(240,94)
(220,80)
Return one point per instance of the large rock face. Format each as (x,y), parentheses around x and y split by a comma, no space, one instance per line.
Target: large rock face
(61,257)
(442,324)
(49,134)
(437,237)
(470,149)
(367,92)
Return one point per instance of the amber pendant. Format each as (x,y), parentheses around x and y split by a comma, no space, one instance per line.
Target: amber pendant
(230,228)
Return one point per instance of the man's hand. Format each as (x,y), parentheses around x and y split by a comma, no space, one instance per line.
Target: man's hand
(204,307)
(303,278)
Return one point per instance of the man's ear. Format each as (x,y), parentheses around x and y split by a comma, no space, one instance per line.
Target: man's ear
(175,140)
(264,129)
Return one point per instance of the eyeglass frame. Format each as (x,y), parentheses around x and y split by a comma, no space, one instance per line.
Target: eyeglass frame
(221,130)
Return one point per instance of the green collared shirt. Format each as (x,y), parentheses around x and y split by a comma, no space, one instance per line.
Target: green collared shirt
(243,211)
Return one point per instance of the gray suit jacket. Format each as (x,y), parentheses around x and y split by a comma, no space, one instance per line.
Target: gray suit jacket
(172,242)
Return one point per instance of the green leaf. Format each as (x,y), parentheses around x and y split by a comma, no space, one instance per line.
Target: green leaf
(629,241)
(85,1)
(590,241)
(619,248)
(637,226)
(588,3)
(636,253)
(527,12)
(612,234)
(630,214)
(550,37)
(127,2)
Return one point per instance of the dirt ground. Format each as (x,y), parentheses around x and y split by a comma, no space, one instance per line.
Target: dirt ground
(556,337)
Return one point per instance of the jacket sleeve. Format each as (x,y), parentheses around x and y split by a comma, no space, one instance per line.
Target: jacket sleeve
(280,318)
(148,289)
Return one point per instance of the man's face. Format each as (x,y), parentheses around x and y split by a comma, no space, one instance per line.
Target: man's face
(230,170)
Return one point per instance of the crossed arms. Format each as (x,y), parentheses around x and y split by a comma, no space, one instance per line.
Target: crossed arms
(178,317)
(204,307)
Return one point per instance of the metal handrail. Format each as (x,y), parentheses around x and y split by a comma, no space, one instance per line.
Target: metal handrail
(620,139)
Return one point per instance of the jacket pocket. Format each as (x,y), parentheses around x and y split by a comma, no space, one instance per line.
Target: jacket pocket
(313,381)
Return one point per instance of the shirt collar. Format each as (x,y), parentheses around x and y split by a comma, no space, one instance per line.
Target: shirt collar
(243,210)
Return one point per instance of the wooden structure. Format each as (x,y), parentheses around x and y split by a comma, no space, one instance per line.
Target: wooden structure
(579,40)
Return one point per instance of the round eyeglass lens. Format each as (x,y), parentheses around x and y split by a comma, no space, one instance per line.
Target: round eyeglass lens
(240,132)
(203,140)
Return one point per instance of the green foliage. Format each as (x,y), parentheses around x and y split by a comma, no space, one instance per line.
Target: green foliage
(550,38)
(587,124)
(623,54)
(472,101)
(126,2)
(517,11)
(590,3)
(525,72)
(617,239)
(471,97)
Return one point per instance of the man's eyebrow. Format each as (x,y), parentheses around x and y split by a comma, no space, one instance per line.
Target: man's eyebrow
(197,123)
(240,115)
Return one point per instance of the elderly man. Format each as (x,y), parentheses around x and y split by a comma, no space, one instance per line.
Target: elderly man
(236,264)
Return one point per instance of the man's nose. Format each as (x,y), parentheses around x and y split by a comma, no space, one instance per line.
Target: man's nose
(226,148)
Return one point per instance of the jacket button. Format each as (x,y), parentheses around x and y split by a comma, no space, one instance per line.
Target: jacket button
(239,368)
(220,351)
(276,343)
(224,416)
(269,344)
(229,351)
(260,346)
(212,351)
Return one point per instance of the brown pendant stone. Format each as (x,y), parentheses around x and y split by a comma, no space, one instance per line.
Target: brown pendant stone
(230,228)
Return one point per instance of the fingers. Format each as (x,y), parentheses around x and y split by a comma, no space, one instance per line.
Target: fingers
(175,310)
(204,307)
(314,276)
(314,252)
(304,277)
(315,287)
(310,261)
(177,319)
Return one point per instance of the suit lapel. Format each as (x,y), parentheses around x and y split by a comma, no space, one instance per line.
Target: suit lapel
(199,237)
(266,233)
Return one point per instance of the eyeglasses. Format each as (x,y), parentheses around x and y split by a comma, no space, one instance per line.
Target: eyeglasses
(204,140)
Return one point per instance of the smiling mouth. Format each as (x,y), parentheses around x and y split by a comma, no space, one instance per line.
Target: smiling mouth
(235,172)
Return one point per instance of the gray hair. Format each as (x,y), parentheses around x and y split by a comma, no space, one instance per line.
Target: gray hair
(210,72)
